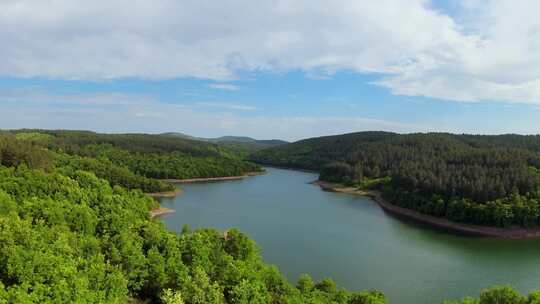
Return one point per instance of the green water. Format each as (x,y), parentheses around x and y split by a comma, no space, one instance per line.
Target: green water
(302,229)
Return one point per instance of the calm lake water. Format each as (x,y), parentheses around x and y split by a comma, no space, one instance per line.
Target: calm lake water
(303,229)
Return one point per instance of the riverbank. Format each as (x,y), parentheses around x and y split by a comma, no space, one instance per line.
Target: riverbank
(168,194)
(212,179)
(510,233)
(160,211)
(171,194)
(290,168)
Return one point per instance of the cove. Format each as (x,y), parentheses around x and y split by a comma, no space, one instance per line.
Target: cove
(302,229)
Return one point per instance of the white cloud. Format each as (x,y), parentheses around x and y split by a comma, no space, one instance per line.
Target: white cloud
(223,86)
(37,97)
(490,51)
(225,105)
(148,115)
(117,112)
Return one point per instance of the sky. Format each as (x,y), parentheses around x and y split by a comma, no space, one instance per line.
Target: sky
(271,69)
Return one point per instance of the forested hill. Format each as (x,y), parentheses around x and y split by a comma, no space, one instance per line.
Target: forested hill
(67,236)
(485,180)
(137,160)
(73,141)
(240,145)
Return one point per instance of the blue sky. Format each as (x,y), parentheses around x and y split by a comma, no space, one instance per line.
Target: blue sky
(450,66)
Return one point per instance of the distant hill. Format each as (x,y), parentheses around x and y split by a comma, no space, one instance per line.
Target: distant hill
(179,134)
(233,138)
(133,157)
(72,140)
(239,139)
(241,145)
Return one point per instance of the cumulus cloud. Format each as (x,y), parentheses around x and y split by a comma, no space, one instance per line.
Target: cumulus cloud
(416,49)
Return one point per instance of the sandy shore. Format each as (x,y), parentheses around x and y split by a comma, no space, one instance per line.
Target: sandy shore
(160,211)
(165,194)
(212,179)
(510,233)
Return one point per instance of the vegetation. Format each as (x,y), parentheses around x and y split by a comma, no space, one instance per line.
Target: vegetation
(15,152)
(35,137)
(73,141)
(68,236)
(484,180)
(238,145)
(500,295)
(135,160)
(116,175)
(174,165)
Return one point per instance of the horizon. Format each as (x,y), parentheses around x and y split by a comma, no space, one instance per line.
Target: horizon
(200,138)
(287,70)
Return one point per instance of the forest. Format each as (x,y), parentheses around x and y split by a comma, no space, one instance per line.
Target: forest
(134,161)
(238,145)
(474,179)
(73,231)
(68,236)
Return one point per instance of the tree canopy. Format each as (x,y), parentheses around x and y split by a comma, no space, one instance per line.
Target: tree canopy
(134,161)
(68,236)
(73,231)
(485,180)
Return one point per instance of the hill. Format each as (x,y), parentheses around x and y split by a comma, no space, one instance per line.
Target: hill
(237,139)
(242,146)
(68,236)
(137,160)
(474,179)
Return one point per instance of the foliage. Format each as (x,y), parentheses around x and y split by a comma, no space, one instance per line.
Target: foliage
(35,137)
(151,156)
(485,180)
(113,173)
(171,297)
(72,141)
(500,295)
(15,152)
(175,165)
(67,236)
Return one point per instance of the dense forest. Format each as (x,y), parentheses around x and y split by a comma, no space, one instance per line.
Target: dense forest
(136,161)
(484,180)
(67,236)
(500,295)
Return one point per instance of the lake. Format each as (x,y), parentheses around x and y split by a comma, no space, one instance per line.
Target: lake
(303,229)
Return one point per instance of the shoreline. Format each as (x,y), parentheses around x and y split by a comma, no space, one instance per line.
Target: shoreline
(212,179)
(290,168)
(166,194)
(159,211)
(441,223)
